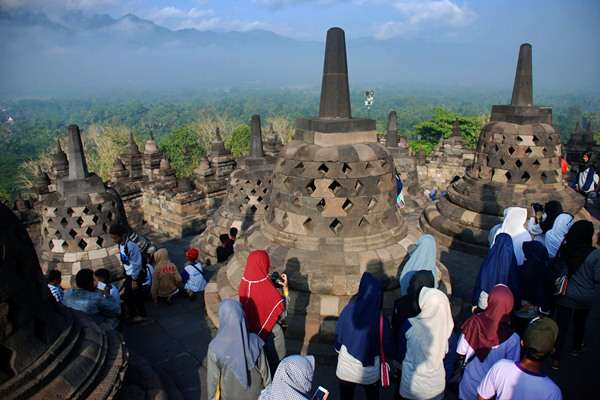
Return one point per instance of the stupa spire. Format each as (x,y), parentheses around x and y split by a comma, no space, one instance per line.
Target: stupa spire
(392,130)
(256,150)
(77,164)
(335,93)
(522,94)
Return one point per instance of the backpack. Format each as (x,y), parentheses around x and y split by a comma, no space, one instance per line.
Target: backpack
(143,271)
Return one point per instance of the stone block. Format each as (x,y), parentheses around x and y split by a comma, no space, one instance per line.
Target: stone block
(329,305)
(96,254)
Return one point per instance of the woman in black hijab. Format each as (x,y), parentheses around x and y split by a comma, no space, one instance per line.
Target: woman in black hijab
(552,209)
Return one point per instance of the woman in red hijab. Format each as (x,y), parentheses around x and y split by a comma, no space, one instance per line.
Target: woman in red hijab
(486,338)
(263,304)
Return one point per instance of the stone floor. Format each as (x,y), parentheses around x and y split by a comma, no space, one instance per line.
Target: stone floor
(176,337)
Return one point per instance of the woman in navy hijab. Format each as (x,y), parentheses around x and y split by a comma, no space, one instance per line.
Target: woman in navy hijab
(499,267)
(357,340)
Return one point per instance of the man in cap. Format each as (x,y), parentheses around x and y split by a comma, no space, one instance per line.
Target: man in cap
(524,379)
(193,273)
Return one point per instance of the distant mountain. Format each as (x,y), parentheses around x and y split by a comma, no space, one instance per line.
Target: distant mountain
(75,27)
(91,54)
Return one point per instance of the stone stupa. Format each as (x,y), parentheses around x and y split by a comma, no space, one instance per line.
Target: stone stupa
(517,163)
(331,217)
(48,351)
(247,197)
(77,217)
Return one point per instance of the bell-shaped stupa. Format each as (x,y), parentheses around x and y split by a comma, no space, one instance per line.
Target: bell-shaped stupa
(331,217)
(517,163)
(247,197)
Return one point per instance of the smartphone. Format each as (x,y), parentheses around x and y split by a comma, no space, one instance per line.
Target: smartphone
(320,394)
(100,286)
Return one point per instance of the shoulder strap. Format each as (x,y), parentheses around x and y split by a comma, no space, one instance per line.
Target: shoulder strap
(201,272)
(381,349)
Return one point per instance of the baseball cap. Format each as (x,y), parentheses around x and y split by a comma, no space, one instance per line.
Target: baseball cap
(541,335)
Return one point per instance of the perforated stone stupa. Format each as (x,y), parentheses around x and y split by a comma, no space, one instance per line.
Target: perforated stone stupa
(247,197)
(76,219)
(581,141)
(517,162)
(332,213)
(48,351)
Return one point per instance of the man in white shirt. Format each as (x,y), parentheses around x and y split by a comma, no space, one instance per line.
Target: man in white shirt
(524,380)
(135,274)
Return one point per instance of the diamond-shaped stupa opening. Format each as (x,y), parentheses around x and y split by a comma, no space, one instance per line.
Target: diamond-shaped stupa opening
(321,205)
(336,226)
(346,169)
(323,169)
(347,205)
(334,186)
(310,187)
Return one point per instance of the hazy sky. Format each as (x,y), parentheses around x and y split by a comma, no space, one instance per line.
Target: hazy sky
(468,43)
(452,20)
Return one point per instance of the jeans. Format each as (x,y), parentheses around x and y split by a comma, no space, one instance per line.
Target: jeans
(347,390)
(564,316)
(134,298)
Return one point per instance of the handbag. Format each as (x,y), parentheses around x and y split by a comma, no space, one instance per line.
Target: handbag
(561,284)
(384,367)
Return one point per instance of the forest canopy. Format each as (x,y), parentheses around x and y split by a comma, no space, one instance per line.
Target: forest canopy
(184,124)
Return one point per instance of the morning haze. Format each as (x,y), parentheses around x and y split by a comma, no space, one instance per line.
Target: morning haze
(84,48)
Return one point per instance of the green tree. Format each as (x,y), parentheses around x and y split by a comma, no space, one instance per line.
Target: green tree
(239,141)
(183,149)
(440,125)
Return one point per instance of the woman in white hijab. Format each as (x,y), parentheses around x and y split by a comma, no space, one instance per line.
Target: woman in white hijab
(423,374)
(555,236)
(292,380)
(513,225)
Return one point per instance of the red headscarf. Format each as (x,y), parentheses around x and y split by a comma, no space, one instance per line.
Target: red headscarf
(491,327)
(261,302)
(191,254)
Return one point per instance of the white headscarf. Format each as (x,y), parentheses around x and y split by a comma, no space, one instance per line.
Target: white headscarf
(423,374)
(292,380)
(514,225)
(554,237)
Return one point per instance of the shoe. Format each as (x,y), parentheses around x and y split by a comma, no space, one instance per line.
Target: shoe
(555,365)
(576,353)
(137,319)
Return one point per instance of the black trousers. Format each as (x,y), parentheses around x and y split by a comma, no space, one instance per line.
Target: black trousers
(564,316)
(347,390)
(134,298)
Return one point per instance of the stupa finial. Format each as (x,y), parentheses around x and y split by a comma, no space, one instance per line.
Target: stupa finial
(522,94)
(335,92)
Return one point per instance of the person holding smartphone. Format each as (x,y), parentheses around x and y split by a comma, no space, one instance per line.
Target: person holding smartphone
(264,305)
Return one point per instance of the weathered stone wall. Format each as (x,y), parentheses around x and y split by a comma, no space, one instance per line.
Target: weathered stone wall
(437,173)
(176,215)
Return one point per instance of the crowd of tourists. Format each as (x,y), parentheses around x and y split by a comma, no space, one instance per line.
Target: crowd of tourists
(498,352)
(536,284)
(149,275)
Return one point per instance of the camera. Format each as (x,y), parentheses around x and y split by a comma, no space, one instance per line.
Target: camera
(537,207)
(276,279)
